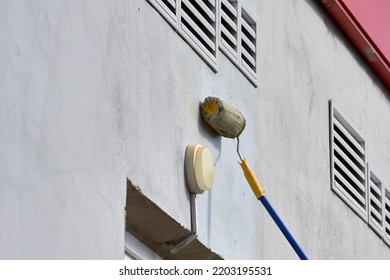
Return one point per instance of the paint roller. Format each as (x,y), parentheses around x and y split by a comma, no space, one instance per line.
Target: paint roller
(228,122)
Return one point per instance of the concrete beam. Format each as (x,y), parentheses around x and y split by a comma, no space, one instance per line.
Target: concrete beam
(159,231)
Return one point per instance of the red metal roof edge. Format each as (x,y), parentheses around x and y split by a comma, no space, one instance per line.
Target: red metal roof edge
(359,38)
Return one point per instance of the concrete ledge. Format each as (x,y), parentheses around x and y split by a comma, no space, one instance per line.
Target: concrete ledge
(157,230)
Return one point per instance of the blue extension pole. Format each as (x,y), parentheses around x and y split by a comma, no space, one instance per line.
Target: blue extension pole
(260,195)
(283,228)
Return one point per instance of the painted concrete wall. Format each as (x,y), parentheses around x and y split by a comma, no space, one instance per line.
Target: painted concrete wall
(92,92)
(62,169)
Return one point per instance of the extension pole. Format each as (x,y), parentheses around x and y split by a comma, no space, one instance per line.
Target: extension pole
(283,228)
(260,195)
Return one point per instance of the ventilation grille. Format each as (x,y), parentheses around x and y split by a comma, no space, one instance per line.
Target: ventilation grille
(248,43)
(375,209)
(198,21)
(348,163)
(208,25)
(387,216)
(229,29)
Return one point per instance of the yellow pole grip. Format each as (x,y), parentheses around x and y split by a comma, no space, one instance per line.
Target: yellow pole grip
(251,179)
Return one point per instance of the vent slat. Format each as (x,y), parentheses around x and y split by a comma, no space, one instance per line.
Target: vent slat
(229,35)
(229,21)
(228,47)
(196,13)
(172,2)
(350,175)
(230,7)
(375,187)
(350,162)
(248,56)
(246,65)
(377,226)
(199,31)
(376,201)
(248,28)
(386,212)
(349,196)
(206,9)
(212,2)
(387,196)
(249,43)
(355,143)
(348,148)
(378,215)
(386,219)
(349,187)
(375,191)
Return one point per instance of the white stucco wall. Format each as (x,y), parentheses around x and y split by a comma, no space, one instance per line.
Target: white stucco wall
(62,172)
(92,92)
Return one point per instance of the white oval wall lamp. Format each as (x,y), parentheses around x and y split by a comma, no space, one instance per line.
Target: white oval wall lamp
(199,169)
(199,173)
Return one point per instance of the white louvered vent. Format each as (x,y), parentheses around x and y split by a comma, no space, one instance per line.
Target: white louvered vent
(198,27)
(238,36)
(348,165)
(229,28)
(248,45)
(168,9)
(375,208)
(208,25)
(386,216)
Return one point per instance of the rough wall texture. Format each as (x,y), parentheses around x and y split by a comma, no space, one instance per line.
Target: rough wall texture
(92,92)
(62,172)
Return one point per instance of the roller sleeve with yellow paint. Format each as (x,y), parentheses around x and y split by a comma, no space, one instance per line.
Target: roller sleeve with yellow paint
(223,118)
